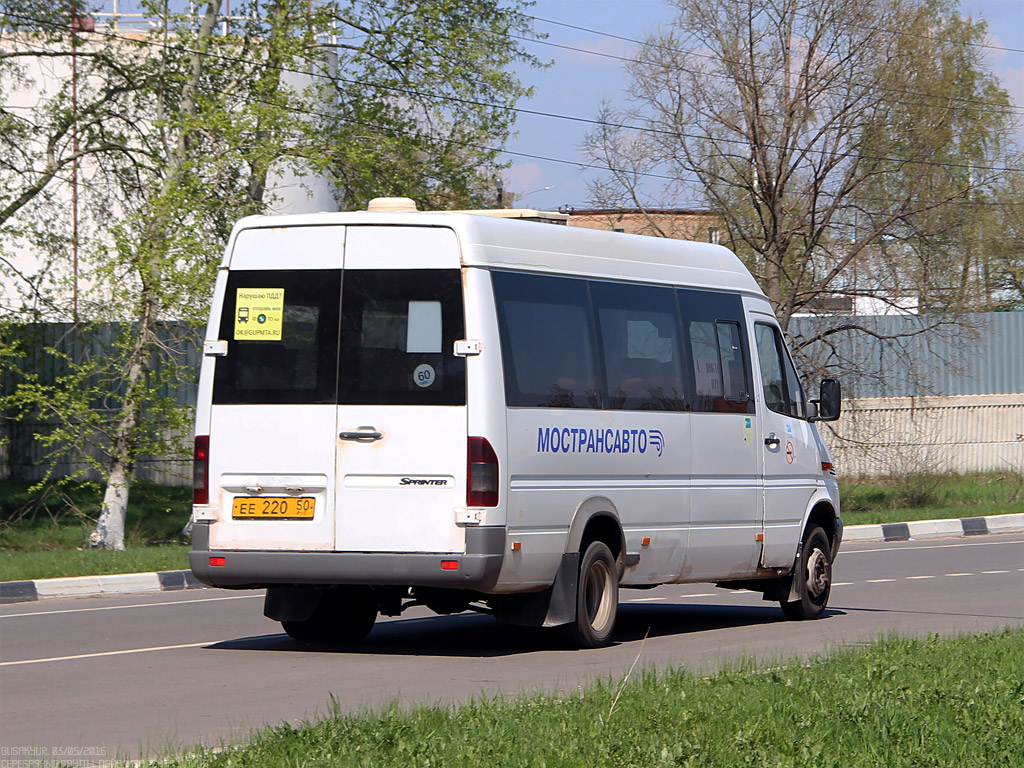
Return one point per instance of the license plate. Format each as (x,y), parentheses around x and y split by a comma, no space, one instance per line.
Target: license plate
(273,507)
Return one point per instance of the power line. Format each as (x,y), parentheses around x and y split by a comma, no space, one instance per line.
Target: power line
(721,59)
(752,4)
(492,149)
(854,200)
(538,113)
(901,33)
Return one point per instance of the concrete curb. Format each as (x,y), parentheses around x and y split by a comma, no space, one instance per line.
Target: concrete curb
(933,529)
(95,586)
(168,581)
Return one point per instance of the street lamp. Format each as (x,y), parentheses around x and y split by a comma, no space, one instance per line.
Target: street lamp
(542,189)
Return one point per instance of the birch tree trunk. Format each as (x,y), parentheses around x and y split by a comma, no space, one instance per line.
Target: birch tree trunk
(109,532)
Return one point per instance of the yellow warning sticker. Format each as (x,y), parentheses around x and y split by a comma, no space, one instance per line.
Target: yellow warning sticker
(259,314)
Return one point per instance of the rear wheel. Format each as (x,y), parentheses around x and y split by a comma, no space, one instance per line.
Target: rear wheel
(343,615)
(597,599)
(812,577)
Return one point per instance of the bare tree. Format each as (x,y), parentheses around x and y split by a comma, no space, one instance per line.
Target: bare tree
(842,141)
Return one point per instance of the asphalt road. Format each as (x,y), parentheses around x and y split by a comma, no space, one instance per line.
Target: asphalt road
(91,678)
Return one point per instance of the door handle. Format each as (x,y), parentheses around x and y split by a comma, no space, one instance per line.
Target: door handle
(772,441)
(362,435)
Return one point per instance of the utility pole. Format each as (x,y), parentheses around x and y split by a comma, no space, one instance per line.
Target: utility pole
(74,26)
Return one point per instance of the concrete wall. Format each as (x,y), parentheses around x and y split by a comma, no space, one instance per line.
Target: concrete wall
(905,435)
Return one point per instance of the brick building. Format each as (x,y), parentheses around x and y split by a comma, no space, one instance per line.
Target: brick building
(677,223)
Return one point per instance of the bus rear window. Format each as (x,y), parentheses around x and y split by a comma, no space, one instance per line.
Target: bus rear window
(282,332)
(396,330)
(398,333)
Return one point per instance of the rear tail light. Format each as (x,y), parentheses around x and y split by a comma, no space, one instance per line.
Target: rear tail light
(482,478)
(201,470)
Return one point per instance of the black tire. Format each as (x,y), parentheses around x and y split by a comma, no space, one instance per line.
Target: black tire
(812,577)
(343,615)
(597,599)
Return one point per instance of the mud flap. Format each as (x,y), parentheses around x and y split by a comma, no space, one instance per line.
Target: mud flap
(553,607)
(784,589)
(284,603)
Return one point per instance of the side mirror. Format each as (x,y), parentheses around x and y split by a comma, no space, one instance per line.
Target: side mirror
(830,401)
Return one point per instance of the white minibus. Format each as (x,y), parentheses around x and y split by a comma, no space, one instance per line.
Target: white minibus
(470,412)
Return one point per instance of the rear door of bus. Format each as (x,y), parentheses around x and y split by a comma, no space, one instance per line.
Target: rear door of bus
(401,415)
(272,421)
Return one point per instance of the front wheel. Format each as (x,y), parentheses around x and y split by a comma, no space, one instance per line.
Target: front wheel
(812,577)
(597,599)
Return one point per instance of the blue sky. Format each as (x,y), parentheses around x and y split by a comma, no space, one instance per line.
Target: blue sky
(577,82)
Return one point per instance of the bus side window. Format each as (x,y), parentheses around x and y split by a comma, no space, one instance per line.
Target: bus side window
(734,378)
(779,382)
(546,341)
(713,325)
(638,328)
(707,367)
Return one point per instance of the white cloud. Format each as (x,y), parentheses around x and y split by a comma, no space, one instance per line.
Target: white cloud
(523,177)
(1013,81)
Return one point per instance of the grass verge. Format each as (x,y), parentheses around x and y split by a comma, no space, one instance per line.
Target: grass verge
(44,533)
(52,563)
(894,703)
(867,517)
(923,496)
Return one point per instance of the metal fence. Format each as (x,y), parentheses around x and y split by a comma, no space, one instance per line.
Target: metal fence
(47,350)
(23,457)
(907,436)
(923,394)
(920,355)
(951,399)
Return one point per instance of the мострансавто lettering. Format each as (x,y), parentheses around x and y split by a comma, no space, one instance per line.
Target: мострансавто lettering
(576,440)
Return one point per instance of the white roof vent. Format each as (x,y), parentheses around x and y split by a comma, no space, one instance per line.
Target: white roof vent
(391,205)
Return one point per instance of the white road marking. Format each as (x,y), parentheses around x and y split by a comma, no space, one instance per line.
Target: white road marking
(842,584)
(920,577)
(878,581)
(848,552)
(995,571)
(106,653)
(703,594)
(646,599)
(959,574)
(134,605)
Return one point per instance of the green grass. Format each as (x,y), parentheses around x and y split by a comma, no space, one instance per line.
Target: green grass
(45,533)
(930,497)
(51,563)
(902,515)
(897,702)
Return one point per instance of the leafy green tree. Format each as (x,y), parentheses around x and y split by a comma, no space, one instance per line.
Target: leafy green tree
(998,243)
(214,114)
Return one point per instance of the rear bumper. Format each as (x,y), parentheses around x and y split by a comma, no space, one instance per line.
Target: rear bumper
(478,567)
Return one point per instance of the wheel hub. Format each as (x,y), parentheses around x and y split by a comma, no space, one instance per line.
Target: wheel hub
(817,573)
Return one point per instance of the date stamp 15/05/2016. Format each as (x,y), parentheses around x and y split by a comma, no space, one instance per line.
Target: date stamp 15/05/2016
(51,756)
